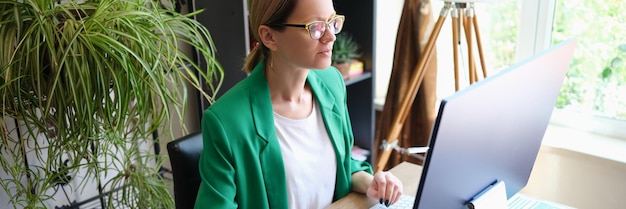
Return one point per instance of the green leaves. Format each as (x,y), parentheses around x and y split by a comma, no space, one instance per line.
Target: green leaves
(606,72)
(617,62)
(622,47)
(345,49)
(91,82)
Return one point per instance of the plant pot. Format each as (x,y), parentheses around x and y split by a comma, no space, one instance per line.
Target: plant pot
(344,69)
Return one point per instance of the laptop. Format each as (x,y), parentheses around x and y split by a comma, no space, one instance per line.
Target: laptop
(491,132)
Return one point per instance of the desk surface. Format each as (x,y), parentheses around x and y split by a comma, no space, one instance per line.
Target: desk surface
(408,173)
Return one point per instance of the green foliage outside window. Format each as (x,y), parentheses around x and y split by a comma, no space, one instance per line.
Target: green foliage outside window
(503,32)
(596,81)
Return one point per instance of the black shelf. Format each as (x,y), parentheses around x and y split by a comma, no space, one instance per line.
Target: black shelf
(360,17)
(359,78)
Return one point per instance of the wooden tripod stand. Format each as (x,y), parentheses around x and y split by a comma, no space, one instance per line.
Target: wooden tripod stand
(469,21)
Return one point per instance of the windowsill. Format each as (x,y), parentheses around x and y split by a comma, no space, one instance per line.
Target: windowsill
(594,136)
(584,142)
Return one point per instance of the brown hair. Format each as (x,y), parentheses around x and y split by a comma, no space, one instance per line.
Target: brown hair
(265,12)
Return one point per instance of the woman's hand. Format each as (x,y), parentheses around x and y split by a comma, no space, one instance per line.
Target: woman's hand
(385,188)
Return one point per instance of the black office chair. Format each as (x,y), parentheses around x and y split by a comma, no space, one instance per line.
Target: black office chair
(184,155)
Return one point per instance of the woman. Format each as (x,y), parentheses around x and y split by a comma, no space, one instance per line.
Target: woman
(281,138)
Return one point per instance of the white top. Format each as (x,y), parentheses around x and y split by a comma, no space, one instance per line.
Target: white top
(309,157)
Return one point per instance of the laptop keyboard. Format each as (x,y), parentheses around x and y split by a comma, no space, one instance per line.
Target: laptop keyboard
(405,202)
(519,201)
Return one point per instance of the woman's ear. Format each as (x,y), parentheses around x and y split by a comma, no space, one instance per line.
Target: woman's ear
(267,36)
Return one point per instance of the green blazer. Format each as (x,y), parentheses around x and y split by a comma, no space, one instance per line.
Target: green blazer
(241,164)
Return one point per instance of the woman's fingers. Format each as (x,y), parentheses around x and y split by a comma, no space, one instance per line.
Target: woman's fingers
(386,188)
(381,183)
(395,188)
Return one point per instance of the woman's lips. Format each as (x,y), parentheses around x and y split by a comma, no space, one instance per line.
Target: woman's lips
(326,52)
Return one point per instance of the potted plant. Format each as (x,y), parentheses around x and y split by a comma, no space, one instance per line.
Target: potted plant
(87,83)
(345,50)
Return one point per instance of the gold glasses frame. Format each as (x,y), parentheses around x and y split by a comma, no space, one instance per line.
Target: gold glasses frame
(327,25)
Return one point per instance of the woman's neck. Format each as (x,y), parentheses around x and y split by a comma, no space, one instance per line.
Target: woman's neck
(286,83)
(291,96)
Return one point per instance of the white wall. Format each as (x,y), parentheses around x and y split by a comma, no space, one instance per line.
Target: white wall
(388,14)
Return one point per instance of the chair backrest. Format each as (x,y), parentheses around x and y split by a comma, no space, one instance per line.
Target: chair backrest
(184,155)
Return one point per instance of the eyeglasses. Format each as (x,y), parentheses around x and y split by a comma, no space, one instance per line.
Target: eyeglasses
(317,29)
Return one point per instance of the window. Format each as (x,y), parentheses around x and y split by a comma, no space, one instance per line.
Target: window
(596,81)
(498,28)
(590,99)
(593,96)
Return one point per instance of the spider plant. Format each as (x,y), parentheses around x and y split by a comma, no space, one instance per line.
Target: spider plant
(89,82)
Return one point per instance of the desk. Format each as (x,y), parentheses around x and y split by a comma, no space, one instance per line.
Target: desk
(408,173)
